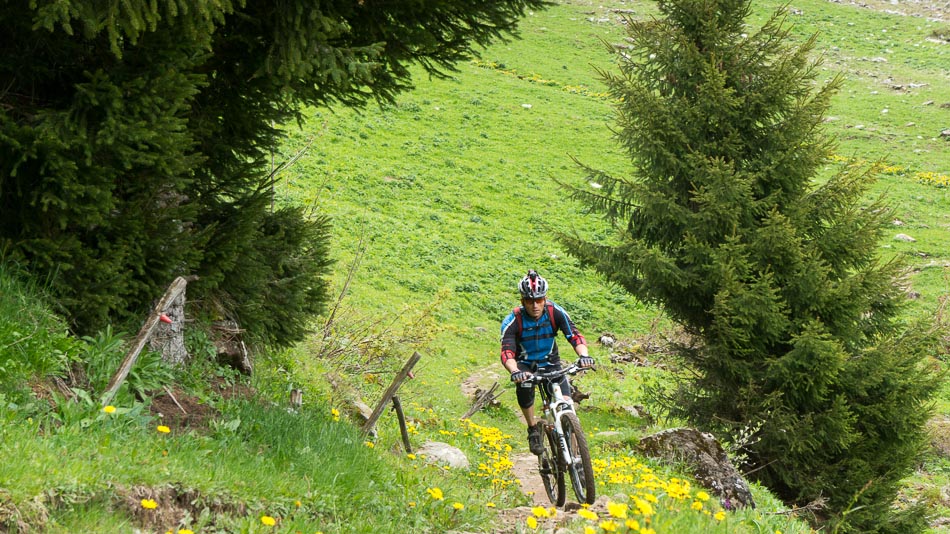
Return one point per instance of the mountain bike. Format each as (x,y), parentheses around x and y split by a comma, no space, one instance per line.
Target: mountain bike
(565,447)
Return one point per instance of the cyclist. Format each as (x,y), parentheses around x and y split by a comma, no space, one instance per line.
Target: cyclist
(528,344)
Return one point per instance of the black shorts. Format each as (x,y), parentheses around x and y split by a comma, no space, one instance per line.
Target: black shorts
(525,393)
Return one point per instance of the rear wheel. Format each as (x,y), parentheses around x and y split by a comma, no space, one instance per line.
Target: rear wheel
(581,470)
(552,475)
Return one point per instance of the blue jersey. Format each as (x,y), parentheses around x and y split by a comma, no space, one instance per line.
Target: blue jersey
(534,340)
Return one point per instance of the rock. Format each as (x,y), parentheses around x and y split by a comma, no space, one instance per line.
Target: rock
(363,409)
(607,340)
(640,412)
(905,237)
(443,453)
(945,133)
(706,457)
(939,433)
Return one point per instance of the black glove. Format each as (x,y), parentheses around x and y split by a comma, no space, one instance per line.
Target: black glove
(520,376)
(585,361)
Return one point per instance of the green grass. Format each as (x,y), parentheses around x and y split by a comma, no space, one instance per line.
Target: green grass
(32,338)
(445,199)
(451,192)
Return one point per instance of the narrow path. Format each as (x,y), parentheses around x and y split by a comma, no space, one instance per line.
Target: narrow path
(525,470)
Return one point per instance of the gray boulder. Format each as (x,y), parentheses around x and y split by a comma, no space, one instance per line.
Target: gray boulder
(708,460)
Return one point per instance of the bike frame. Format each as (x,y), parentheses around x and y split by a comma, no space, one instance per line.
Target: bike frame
(560,457)
(555,404)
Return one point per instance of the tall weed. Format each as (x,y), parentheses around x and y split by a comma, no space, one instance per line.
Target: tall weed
(34,342)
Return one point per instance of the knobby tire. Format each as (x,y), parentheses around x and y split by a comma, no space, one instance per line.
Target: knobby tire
(582,473)
(552,473)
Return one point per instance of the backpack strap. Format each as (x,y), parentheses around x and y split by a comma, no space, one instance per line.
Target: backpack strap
(518,320)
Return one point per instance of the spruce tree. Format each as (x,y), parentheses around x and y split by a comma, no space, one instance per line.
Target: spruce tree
(135,140)
(725,223)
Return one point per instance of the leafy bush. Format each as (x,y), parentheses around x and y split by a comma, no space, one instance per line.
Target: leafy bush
(102,357)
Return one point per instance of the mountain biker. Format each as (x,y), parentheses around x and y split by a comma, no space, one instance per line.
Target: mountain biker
(528,344)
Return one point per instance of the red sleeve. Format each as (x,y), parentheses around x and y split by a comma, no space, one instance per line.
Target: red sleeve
(509,338)
(566,325)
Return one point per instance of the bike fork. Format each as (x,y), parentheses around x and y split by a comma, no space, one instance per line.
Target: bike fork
(562,440)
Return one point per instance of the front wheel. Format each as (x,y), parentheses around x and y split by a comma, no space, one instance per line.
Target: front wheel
(552,475)
(580,468)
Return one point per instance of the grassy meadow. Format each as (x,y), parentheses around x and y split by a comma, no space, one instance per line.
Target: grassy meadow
(440,202)
(444,199)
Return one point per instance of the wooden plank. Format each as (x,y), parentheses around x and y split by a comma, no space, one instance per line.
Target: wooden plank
(390,391)
(173,291)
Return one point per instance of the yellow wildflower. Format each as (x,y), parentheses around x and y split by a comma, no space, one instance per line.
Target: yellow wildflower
(297,504)
(532,522)
(540,511)
(268,520)
(163,429)
(149,504)
(632,524)
(109,409)
(702,495)
(589,530)
(643,507)
(411,456)
(490,504)
(618,510)
(719,516)
(184,531)
(587,514)
(696,505)
(458,506)
(436,493)
(412,504)
(369,444)
(608,526)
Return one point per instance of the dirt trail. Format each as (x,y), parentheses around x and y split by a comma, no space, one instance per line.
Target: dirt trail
(525,470)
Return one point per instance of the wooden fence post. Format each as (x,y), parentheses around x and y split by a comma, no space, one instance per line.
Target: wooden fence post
(390,391)
(397,407)
(171,294)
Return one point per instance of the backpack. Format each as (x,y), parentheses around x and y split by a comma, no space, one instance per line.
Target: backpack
(550,308)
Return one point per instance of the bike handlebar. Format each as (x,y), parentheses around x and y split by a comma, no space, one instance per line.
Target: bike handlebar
(538,377)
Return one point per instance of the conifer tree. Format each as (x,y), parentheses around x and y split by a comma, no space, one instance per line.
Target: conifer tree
(135,139)
(725,224)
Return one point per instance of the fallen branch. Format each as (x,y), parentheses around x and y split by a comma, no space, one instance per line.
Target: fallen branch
(172,397)
(483,399)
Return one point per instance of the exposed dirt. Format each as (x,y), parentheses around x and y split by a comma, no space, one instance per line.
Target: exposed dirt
(180,411)
(526,471)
